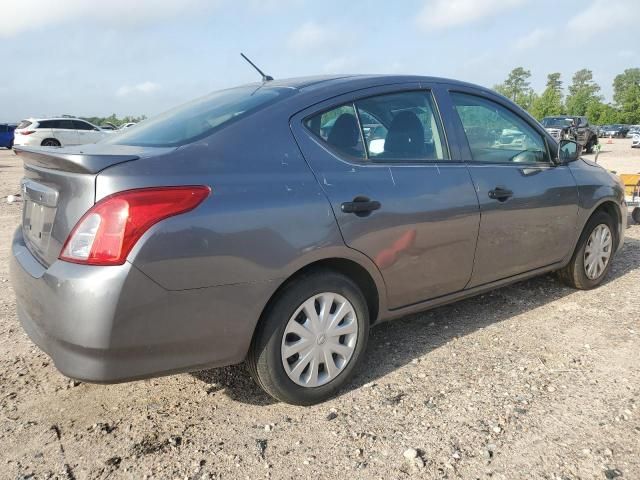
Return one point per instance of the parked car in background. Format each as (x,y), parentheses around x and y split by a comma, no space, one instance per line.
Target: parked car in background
(57,132)
(241,227)
(635,141)
(633,130)
(109,126)
(615,131)
(6,134)
(572,128)
(127,125)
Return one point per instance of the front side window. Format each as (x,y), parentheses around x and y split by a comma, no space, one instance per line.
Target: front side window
(394,127)
(82,125)
(497,135)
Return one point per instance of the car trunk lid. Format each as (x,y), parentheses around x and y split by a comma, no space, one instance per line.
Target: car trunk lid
(59,187)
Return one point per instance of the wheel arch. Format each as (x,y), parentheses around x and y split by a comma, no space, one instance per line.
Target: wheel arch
(611,208)
(365,276)
(50,138)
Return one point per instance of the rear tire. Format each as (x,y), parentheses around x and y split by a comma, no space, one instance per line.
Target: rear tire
(315,380)
(635,214)
(577,273)
(50,142)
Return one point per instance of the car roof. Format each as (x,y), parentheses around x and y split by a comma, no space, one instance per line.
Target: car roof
(358,80)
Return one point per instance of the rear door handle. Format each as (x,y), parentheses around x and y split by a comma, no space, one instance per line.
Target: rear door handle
(500,193)
(361,206)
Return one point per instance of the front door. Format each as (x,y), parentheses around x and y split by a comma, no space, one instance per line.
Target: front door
(528,204)
(400,195)
(65,132)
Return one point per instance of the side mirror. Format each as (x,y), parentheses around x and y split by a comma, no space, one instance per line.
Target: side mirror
(568,151)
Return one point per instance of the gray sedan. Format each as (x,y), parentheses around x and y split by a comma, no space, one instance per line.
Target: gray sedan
(275,223)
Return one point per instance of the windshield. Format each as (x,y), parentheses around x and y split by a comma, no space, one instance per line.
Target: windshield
(557,122)
(199,118)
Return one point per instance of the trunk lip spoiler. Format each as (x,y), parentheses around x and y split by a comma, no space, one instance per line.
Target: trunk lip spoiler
(57,158)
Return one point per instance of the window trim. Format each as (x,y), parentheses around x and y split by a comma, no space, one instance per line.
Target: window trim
(484,96)
(367,160)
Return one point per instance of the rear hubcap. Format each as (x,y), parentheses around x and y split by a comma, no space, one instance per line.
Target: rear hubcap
(597,253)
(319,339)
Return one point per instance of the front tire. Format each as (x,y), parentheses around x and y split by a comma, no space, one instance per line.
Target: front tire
(590,144)
(310,339)
(592,258)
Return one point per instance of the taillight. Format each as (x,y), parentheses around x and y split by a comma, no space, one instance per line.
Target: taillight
(25,132)
(108,231)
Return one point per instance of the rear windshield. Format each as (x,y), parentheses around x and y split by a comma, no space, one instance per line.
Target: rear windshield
(198,119)
(24,124)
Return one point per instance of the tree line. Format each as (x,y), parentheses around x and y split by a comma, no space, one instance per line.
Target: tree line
(114,120)
(583,97)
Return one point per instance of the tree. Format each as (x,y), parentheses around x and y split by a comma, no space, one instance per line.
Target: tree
(582,92)
(550,102)
(626,95)
(517,87)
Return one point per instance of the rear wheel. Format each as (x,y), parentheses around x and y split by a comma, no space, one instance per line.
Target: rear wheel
(50,142)
(310,339)
(592,259)
(635,214)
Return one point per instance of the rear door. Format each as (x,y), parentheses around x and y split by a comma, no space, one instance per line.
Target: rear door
(528,205)
(399,192)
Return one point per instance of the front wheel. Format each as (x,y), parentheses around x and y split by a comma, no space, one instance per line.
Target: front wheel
(590,144)
(310,339)
(592,259)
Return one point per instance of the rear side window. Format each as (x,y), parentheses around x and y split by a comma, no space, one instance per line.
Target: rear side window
(24,124)
(48,124)
(339,128)
(497,135)
(200,118)
(392,128)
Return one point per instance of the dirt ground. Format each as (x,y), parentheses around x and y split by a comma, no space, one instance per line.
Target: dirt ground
(532,381)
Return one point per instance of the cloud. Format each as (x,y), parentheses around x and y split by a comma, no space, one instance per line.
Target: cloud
(311,36)
(21,16)
(145,88)
(531,39)
(602,16)
(438,14)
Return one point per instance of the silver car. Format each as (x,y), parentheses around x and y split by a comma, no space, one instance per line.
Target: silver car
(266,224)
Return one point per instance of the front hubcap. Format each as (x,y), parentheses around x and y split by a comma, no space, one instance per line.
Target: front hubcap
(319,339)
(598,251)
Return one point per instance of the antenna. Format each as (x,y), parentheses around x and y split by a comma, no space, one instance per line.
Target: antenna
(265,78)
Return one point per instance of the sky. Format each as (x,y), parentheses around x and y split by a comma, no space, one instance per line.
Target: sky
(133,57)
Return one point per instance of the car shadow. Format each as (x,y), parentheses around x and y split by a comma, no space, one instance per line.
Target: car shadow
(396,343)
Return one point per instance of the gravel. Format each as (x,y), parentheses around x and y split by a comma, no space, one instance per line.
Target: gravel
(532,381)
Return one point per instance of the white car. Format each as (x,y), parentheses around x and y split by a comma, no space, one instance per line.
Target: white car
(127,125)
(56,132)
(635,143)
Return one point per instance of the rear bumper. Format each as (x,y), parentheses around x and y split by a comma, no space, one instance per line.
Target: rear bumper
(112,324)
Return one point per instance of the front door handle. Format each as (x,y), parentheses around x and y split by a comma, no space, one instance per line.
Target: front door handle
(500,193)
(361,206)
